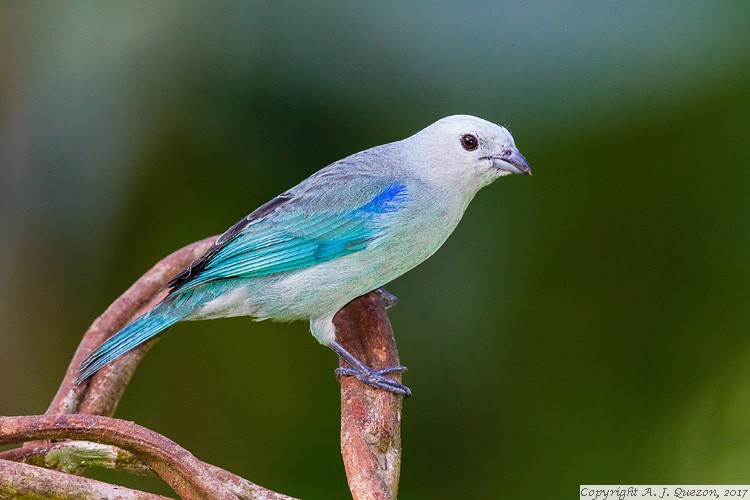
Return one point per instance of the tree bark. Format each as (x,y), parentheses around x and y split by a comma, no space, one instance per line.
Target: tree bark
(28,481)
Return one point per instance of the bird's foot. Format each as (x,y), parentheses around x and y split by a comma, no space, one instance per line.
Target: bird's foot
(389,300)
(376,378)
(362,372)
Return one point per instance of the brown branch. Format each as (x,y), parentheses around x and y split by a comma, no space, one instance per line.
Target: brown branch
(28,481)
(370,418)
(244,489)
(187,475)
(40,455)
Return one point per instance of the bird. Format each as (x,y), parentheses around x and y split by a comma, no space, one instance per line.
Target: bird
(348,229)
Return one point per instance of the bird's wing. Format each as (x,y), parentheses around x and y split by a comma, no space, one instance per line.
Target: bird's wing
(297,229)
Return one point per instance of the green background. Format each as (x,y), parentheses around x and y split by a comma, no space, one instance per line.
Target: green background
(588,324)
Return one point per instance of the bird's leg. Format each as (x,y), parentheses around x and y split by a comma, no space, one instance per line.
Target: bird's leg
(389,300)
(362,372)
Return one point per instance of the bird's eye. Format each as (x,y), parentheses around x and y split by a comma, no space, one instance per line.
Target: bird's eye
(469,142)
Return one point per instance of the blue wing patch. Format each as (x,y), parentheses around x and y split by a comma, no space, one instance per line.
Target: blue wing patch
(295,240)
(388,200)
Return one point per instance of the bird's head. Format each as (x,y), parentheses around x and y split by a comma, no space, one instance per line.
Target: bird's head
(468,150)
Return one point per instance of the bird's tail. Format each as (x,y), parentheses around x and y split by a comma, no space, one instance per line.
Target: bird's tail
(136,333)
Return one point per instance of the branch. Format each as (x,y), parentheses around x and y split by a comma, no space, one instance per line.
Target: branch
(244,489)
(187,475)
(370,418)
(28,481)
(74,455)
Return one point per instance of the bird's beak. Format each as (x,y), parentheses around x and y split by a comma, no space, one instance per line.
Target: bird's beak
(511,160)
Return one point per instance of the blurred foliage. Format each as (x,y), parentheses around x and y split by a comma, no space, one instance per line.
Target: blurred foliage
(588,324)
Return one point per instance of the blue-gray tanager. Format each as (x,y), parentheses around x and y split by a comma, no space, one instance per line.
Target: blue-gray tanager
(346,230)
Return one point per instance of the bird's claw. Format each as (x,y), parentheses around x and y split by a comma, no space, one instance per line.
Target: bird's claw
(377,378)
(389,300)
